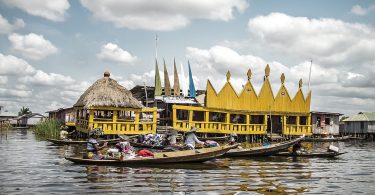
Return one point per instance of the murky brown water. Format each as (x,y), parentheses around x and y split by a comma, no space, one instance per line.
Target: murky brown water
(29,166)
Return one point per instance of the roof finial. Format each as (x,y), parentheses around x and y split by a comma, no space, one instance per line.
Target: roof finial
(267,71)
(282,78)
(107,74)
(249,74)
(228,75)
(300,83)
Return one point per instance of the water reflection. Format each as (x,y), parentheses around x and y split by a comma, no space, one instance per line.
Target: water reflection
(30,166)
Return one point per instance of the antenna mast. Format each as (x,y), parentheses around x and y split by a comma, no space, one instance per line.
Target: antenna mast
(310,74)
(156,46)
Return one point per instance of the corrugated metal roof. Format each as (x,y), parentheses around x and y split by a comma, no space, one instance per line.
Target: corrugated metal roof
(327,113)
(365,116)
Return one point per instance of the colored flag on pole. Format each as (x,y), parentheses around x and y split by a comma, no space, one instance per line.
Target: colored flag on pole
(157,91)
(167,84)
(192,92)
(176,86)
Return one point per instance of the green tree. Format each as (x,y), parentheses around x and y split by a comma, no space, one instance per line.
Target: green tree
(24,111)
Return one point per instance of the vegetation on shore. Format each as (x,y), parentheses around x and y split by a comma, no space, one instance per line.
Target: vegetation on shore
(49,128)
(24,111)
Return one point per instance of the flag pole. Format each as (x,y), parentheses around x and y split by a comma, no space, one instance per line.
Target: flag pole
(156,46)
(310,75)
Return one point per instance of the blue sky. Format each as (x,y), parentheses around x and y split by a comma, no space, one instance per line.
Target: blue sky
(51,51)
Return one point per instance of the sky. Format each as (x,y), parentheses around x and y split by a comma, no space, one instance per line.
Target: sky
(52,51)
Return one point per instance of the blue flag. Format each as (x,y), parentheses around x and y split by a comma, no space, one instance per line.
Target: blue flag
(192,92)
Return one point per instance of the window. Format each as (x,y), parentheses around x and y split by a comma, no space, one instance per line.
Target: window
(303,120)
(362,125)
(198,116)
(327,121)
(238,118)
(182,115)
(318,121)
(217,117)
(103,114)
(292,120)
(257,119)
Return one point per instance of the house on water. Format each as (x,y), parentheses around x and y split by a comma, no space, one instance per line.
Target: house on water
(248,113)
(362,124)
(64,115)
(109,106)
(28,120)
(325,123)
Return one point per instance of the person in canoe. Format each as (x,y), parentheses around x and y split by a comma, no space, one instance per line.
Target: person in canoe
(93,146)
(191,139)
(297,148)
(233,138)
(170,138)
(64,134)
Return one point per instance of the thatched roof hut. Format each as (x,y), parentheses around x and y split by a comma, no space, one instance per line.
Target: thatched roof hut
(107,92)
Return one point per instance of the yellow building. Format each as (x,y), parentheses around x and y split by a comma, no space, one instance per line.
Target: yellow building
(248,113)
(111,107)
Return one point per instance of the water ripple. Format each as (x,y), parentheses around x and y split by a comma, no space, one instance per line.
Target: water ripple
(37,167)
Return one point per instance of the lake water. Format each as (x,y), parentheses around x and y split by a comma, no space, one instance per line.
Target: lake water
(30,166)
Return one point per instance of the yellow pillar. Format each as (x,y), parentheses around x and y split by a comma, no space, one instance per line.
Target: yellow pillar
(136,121)
(90,124)
(309,130)
(114,120)
(299,128)
(227,121)
(248,129)
(174,115)
(190,122)
(285,132)
(206,119)
(154,119)
(265,124)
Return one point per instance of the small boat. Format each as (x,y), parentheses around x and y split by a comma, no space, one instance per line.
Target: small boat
(142,145)
(184,156)
(327,139)
(356,138)
(76,142)
(263,150)
(223,138)
(311,154)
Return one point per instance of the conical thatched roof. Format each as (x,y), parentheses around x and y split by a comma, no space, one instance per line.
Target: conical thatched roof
(107,92)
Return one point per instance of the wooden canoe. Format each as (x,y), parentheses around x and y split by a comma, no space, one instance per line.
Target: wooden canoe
(328,139)
(263,150)
(185,156)
(142,145)
(223,138)
(311,154)
(82,142)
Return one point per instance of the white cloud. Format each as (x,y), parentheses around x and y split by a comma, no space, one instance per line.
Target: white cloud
(52,10)
(360,11)
(6,27)
(32,46)
(55,105)
(161,14)
(3,80)
(327,41)
(23,85)
(47,79)
(15,93)
(213,63)
(11,65)
(113,53)
(331,86)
